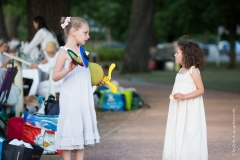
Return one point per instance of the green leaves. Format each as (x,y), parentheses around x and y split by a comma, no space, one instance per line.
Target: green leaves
(15,7)
(112,14)
(178,17)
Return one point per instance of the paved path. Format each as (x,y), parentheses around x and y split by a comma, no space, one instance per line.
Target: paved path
(139,134)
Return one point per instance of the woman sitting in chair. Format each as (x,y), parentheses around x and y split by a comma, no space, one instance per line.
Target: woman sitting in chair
(49,52)
(40,72)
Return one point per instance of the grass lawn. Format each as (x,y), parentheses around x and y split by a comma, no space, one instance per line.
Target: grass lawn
(214,77)
(221,77)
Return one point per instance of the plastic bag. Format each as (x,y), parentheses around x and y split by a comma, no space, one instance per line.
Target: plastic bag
(19,152)
(48,122)
(114,102)
(41,137)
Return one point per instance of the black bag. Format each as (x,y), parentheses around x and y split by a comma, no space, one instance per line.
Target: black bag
(19,152)
(51,106)
(137,101)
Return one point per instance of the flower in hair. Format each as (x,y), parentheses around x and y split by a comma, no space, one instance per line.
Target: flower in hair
(66,21)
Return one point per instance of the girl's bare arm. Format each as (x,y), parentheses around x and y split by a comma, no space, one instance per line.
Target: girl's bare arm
(58,73)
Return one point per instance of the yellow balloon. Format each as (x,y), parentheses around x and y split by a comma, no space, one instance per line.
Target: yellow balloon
(96,73)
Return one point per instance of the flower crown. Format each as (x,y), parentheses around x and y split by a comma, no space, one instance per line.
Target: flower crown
(66,21)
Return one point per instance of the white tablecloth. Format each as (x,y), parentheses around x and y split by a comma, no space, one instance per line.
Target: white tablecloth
(33,74)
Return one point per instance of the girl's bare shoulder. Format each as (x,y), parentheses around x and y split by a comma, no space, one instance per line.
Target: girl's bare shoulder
(195,72)
(63,54)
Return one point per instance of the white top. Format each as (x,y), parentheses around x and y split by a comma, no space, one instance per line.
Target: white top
(43,36)
(48,58)
(51,62)
(186,132)
(2,58)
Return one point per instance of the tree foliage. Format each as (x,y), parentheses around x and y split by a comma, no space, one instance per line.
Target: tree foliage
(3,31)
(15,7)
(13,11)
(113,14)
(178,17)
(226,13)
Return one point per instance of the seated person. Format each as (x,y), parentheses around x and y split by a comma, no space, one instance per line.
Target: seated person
(37,71)
(49,53)
(45,87)
(4,60)
(49,86)
(14,46)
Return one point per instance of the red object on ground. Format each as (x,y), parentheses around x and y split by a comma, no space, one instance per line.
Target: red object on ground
(41,137)
(15,127)
(151,64)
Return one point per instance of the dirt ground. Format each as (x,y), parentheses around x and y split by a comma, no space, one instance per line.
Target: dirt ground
(139,134)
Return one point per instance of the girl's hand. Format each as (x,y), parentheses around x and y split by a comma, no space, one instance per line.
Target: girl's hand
(179,96)
(101,83)
(71,66)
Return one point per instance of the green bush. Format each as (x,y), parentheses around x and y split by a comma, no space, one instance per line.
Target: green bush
(110,54)
(105,53)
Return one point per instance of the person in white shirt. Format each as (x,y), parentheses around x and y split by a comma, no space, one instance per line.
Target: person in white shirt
(42,37)
(3,48)
(46,87)
(49,53)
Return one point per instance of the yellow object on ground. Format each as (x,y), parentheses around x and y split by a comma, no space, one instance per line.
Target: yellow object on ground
(128,96)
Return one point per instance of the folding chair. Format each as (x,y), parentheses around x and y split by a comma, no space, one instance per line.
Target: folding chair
(4,93)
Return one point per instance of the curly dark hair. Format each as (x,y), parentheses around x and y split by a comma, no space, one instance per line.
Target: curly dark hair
(193,55)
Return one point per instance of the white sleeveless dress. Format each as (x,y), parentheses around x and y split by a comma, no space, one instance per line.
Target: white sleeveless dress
(186,134)
(77,125)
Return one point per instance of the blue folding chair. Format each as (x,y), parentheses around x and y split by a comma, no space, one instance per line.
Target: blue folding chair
(4,93)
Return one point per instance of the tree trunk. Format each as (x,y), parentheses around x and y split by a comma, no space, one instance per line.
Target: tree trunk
(232,38)
(3,31)
(136,54)
(51,10)
(12,24)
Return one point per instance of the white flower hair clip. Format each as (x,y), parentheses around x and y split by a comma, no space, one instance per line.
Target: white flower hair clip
(66,21)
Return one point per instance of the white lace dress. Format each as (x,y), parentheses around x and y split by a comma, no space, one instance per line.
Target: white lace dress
(186,134)
(77,125)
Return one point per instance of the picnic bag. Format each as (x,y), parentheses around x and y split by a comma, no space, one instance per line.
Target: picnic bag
(1,141)
(136,101)
(14,128)
(48,122)
(128,98)
(114,102)
(51,106)
(41,137)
